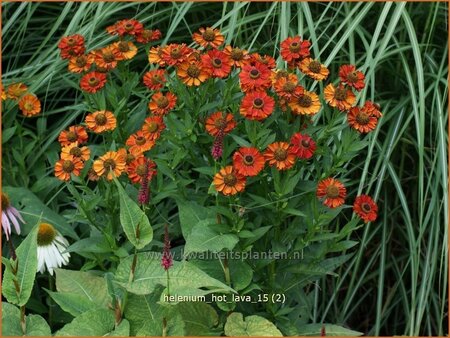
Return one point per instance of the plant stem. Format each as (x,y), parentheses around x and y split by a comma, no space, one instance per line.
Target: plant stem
(22,319)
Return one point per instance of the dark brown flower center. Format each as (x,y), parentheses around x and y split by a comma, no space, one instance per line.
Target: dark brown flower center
(332,191)
(71,136)
(75,151)
(217,62)
(294,47)
(352,77)
(109,164)
(248,160)
(93,81)
(230,179)
(362,118)
(237,54)
(305,101)
(289,87)
(305,143)
(258,103)
(162,102)
(68,166)
(254,74)
(46,234)
(108,57)
(280,154)
(141,170)
(81,61)
(123,46)
(5,202)
(220,123)
(281,73)
(140,140)
(128,26)
(70,41)
(100,119)
(175,53)
(129,158)
(315,66)
(366,207)
(156,78)
(152,127)
(209,35)
(193,71)
(340,94)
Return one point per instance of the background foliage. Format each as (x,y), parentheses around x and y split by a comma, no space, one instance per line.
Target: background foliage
(397,282)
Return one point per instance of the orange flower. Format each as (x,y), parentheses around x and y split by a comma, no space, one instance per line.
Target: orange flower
(314,69)
(332,191)
(228,181)
(110,164)
(92,82)
(218,121)
(218,62)
(128,27)
(30,105)
(193,73)
(92,175)
(278,74)
(74,150)
(16,90)
(155,56)
(67,166)
(154,79)
(237,55)
(152,128)
(82,63)
(248,161)
(363,119)
(352,77)
(254,77)
(174,54)
(304,103)
(208,37)
(72,45)
(266,60)
(285,87)
(74,134)
(100,121)
(148,35)
(365,207)
(257,105)
(107,57)
(137,169)
(139,144)
(303,146)
(124,50)
(294,49)
(341,97)
(2,90)
(280,155)
(161,103)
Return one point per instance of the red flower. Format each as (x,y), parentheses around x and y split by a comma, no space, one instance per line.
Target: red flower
(365,207)
(139,168)
(294,49)
(219,63)
(352,77)
(248,161)
(152,128)
(332,191)
(255,77)
(208,37)
(266,60)
(92,82)
(174,54)
(303,146)
(128,27)
(280,154)
(72,45)
(364,119)
(148,35)
(154,79)
(161,103)
(257,105)
(219,122)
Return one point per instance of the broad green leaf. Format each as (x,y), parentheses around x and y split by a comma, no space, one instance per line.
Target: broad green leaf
(251,326)
(122,330)
(26,265)
(35,325)
(203,238)
(99,322)
(73,303)
(34,211)
(88,287)
(199,318)
(184,276)
(330,330)
(134,221)
(324,267)
(191,213)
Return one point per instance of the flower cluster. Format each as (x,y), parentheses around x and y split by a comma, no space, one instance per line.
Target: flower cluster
(29,104)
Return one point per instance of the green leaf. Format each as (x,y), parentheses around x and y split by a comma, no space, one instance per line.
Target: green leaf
(73,303)
(330,330)
(191,213)
(252,326)
(203,238)
(7,134)
(134,221)
(199,318)
(185,278)
(34,211)
(35,325)
(99,322)
(88,287)
(122,330)
(26,266)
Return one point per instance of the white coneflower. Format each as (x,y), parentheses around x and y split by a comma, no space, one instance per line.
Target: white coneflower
(10,215)
(51,247)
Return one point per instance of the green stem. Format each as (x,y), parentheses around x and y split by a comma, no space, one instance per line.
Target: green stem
(22,319)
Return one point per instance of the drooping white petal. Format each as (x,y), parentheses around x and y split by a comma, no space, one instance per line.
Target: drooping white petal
(13,219)
(6,225)
(41,259)
(17,214)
